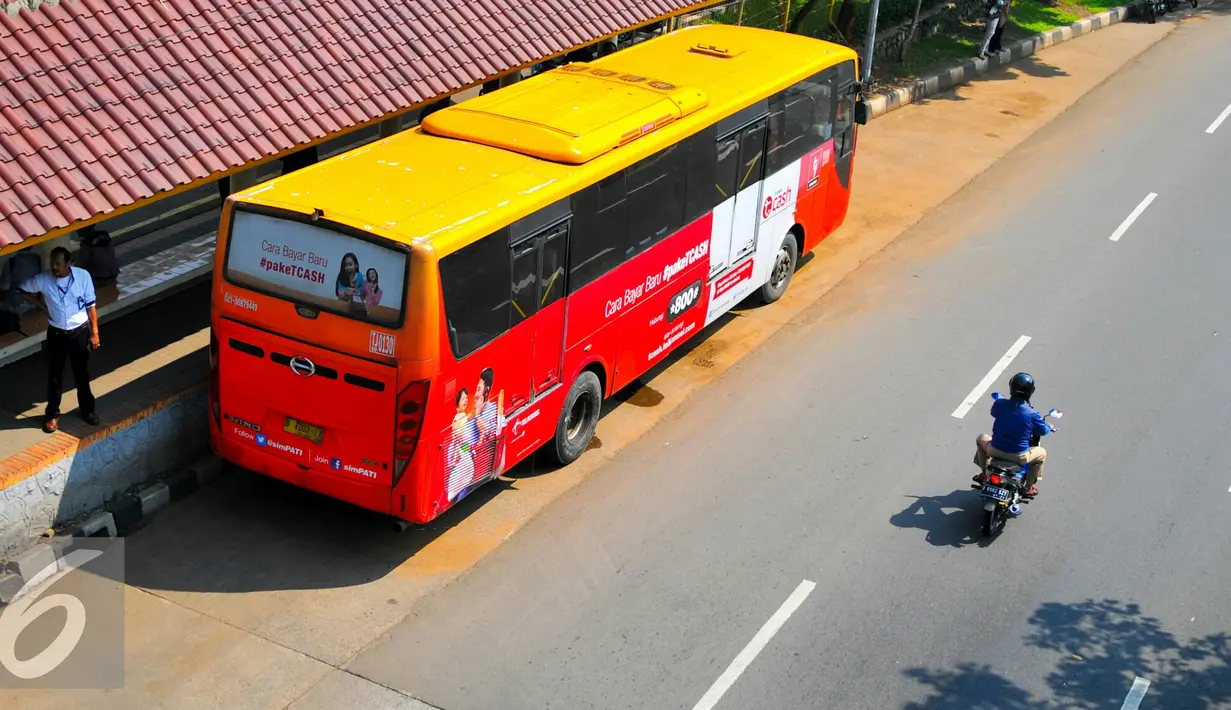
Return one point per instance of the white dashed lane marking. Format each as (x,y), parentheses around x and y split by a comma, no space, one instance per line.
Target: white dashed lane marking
(987,381)
(1128,222)
(755,646)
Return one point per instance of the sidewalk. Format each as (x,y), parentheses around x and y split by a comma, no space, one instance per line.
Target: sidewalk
(256,595)
(151,363)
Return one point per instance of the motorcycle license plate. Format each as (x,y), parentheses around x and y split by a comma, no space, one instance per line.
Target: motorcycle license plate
(997,493)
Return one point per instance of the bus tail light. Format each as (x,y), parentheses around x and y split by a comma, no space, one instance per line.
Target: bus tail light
(215,403)
(412,405)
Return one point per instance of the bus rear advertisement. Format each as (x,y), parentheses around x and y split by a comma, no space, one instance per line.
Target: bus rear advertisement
(400,324)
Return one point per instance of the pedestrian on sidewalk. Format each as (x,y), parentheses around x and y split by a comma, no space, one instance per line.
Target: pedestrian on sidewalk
(994,11)
(1003,22)
(72,331)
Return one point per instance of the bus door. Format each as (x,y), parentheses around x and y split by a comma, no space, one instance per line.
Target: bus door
(741,165)
(539,268)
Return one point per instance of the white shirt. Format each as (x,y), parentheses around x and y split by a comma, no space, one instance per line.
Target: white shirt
(68,299)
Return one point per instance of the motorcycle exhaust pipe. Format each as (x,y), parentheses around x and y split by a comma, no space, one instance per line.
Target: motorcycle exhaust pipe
(1015,509)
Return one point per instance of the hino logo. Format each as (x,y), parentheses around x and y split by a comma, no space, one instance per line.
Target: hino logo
(302,366)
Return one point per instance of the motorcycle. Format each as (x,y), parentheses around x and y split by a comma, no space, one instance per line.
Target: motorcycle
(1154,9)
(1004,489)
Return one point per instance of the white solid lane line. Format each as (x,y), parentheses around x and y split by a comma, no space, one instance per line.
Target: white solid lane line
(758,642)
(1218,121)
(1133,700)
(1133,217)
(991,376)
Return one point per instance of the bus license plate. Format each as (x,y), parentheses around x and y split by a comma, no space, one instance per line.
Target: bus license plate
(997,493)
(314,434)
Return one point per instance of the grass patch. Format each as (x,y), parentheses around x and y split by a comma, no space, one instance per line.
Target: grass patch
(1026,18)
(931,52)
(1033,17)
(1097,6)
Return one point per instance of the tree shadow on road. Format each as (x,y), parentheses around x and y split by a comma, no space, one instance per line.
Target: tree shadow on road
(1099,646)
(951,520)
(970,686)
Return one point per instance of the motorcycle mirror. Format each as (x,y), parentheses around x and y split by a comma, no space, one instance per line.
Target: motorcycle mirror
(1055,413)
(997,395)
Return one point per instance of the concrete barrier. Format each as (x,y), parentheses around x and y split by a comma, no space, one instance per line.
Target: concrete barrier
(53,484)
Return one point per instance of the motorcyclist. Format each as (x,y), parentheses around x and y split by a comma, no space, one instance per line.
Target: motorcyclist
(1016,422)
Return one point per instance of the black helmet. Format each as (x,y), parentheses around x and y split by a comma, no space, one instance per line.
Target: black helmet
(1021,386)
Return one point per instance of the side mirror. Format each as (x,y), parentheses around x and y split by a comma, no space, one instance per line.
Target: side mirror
(862,112)
(1055,414)
(997,396)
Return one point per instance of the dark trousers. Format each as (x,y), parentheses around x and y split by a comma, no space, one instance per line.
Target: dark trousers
(74,347)
(995,44)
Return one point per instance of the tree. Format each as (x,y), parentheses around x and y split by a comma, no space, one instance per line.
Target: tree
(910,34)
(846,20)
(799,16)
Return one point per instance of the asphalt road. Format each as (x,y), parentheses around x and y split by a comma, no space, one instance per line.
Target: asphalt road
(831,456)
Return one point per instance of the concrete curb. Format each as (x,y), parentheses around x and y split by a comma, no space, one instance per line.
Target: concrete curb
(884,101)
(122,516)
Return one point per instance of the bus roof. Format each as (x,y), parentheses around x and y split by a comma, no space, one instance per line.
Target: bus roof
(419,187)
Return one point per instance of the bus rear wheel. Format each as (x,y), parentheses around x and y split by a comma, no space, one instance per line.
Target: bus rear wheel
(781,271)
(578,419)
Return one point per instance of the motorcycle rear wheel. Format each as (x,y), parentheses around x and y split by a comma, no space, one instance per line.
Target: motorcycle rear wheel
(989,521)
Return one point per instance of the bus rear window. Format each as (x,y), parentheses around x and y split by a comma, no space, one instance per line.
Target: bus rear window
(317,266)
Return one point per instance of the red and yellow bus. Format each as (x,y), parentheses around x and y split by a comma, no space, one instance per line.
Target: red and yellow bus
(404,322)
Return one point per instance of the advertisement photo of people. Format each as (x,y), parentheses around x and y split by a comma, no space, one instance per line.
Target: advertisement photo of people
(474,442)
(356,286)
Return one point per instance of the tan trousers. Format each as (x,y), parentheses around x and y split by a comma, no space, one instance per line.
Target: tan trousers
(1032,459)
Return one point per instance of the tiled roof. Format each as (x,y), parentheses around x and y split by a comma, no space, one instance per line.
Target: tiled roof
(104,103)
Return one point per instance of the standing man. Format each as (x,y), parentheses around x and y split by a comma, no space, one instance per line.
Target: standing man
(995,10)
(995,47)
(72,332)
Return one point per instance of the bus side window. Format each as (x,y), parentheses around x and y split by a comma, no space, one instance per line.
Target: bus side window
(524,291)
(701,197)
(655,198)
(551,286)
(600,231)
(474,283)
(799,121)
(751,156)
(727,174)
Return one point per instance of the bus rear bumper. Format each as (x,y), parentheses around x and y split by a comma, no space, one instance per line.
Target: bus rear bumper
(364,495)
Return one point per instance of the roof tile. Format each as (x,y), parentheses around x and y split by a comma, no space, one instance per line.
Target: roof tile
(107,102)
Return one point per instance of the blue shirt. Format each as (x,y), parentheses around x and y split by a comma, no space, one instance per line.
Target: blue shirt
(1016,422)
(68,300)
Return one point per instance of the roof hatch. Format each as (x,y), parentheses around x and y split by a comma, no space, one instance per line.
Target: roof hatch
(568,115)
